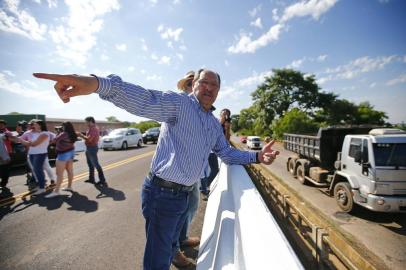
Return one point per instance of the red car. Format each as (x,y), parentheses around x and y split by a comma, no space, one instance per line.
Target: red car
(243,139)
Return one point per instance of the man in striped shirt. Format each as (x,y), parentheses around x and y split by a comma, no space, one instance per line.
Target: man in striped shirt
(189,132)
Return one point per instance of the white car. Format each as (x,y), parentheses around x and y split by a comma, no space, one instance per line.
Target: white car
(254,142)
(122,138)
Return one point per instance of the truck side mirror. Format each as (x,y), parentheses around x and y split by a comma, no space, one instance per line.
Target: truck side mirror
(365,167)
(357,156)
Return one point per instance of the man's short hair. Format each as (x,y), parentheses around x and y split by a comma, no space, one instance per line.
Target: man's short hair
(3,122)
(90,119)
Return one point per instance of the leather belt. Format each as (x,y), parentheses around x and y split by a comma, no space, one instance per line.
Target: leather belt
(168,184)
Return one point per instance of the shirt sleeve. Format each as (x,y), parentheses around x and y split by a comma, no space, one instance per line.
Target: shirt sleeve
(231,155)
(153,104)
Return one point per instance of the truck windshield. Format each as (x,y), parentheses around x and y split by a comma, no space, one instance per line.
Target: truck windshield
(390,154)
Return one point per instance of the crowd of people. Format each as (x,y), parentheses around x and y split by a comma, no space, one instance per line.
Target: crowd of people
(36,139)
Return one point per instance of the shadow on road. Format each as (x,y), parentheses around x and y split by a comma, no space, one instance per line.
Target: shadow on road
(76,201)
(106,192)
(396,222)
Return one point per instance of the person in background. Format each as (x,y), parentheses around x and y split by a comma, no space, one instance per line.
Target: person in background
(92,147)
(5,163)
(37,152)
(213,169)
(65,150)
(225,121)
(179,258)
(47,167)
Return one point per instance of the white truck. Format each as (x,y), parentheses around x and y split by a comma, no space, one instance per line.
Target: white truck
(357,165)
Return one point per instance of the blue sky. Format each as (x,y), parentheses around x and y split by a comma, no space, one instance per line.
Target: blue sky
(356,49)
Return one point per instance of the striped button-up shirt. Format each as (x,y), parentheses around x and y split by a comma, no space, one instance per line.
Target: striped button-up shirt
(188,133)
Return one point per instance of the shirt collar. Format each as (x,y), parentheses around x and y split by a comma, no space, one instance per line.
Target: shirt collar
(197,103)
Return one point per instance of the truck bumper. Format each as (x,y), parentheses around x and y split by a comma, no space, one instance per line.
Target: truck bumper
(385,203)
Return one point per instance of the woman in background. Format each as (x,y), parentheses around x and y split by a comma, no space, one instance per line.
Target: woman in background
(225,121)
(65,150)
(38,152)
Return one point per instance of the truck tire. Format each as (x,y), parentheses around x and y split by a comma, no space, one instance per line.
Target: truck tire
(292,166)
(343,196)
(301,173)
(124,146)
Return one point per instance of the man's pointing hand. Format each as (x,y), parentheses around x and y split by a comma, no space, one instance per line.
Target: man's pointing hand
(68,86)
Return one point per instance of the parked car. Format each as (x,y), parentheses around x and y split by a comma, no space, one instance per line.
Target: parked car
(122,138)
(151,135)
(254,142)
(243,139)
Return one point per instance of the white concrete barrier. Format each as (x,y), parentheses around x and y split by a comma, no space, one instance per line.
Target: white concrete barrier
(239,232)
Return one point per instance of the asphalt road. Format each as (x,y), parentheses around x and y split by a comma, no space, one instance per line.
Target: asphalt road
(91,228)
(382,233)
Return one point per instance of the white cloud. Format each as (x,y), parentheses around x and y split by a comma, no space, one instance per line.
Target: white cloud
(400,79)
(296,63)
(255,10)
(153,2)
(357,67)
(165,60)
(175,2)
(20,22)
(154,56)
(372,85)
(226,63)
(23,91)
(121,47)
(182,47)
(144,46)
(313,8)
(360,65)
(383,1)
(275,16)
(104,57)
(180,56)
(257,23)
(131,68)
(77,36)
(9,73)
(246,45)
(322,58)
(254,80)
(154,77)
(169,33)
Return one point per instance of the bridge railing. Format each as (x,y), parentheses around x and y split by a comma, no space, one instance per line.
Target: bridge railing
(239,231)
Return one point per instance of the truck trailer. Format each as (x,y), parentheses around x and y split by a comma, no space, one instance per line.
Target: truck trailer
(357,165)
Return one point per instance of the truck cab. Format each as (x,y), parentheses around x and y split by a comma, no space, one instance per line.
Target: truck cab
(375,167)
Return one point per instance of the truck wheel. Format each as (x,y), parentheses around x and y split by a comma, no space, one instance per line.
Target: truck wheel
(124,146)
(343,196)
(291,167)
(301,173)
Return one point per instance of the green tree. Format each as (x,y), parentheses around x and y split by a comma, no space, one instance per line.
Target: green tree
(14,113)
(367,115)
(284,90)
(112,119)
(340,112)
(294,121)
(144,125)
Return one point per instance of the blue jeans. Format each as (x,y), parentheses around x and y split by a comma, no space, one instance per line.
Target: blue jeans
(214,169)
(193,204)
(164,211)
(93,162)
(37,162)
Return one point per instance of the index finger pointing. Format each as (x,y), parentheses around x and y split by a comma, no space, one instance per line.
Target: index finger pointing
(53,77)
(269,145)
